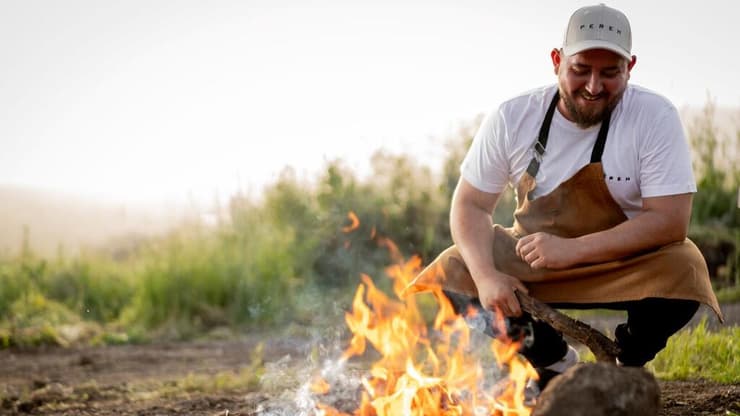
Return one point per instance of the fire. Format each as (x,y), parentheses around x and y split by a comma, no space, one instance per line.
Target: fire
(422,371)
(354,222)
(320,386)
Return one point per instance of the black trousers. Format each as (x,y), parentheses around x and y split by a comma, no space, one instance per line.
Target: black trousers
(650,322)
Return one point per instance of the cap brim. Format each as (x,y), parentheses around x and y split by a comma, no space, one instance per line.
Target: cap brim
(595,44)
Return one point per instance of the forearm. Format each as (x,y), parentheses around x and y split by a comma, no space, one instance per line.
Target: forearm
(650,229)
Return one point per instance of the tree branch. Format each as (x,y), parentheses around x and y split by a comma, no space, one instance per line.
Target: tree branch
(603,348)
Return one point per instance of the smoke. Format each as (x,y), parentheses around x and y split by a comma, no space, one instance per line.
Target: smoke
(291,379)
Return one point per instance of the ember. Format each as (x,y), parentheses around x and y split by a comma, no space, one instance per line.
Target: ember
(423,372)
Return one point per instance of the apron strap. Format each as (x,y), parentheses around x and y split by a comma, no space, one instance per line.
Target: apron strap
(598,149)
(539,146)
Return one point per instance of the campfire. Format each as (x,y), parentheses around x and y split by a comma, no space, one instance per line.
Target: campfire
(425,368)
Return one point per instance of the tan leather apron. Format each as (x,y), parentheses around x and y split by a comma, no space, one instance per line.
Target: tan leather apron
(580,205)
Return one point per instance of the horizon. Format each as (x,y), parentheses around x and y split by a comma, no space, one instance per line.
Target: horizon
(142,103)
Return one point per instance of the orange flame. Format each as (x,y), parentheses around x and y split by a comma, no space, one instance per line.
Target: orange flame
(422,374)
(511,401)
(354,223)
(320,386)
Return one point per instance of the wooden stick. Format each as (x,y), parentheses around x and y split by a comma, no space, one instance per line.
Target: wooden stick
(603,348)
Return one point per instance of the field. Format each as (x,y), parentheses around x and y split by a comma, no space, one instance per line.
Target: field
(256,374)
(209,378)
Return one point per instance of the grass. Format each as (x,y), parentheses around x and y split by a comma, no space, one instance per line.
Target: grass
(695,353)
(728,294)
(699,353)
(181,285)
(246,378)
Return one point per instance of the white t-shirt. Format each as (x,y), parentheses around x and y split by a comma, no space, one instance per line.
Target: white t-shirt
(646,153)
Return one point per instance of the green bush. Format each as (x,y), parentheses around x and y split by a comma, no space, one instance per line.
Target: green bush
(14,283)
(96,288)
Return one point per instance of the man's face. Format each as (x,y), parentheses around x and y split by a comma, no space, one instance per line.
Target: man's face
(591,83)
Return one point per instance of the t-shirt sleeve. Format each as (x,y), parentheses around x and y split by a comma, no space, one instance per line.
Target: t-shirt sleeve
(665,162)
(485,166)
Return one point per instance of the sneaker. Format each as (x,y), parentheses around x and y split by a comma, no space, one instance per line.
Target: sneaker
(546,374)
(570,359)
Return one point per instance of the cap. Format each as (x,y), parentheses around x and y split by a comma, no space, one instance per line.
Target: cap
(598,27)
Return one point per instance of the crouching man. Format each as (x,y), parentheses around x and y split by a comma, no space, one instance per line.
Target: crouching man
(604,186)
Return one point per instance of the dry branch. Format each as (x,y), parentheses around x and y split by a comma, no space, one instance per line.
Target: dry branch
(603,348)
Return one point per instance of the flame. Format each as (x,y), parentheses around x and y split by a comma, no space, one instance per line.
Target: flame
(324,410)
(320,386)
(354,223)
(422,372)
(511,401)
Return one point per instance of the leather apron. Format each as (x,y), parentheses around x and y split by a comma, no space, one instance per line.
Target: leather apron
(580,205)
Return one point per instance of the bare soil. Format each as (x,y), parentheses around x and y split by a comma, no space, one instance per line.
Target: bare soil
(139,380)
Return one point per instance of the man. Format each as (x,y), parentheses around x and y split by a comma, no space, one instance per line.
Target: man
(604,187)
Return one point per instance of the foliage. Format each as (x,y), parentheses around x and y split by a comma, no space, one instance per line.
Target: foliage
(716,208)
(721,249)
(199,278)
(728,294)
(716,201)
(247,378)
(700,353)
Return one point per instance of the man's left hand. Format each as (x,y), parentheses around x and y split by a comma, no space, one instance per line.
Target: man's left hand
(546,251)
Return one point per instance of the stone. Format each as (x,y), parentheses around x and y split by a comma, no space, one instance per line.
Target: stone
(600,389)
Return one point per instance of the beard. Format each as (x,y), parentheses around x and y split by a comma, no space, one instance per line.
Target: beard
(589,114)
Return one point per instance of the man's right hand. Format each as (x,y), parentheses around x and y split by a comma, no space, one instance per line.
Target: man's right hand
(497,291)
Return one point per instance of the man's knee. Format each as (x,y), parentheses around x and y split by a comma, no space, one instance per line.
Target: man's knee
(650,323)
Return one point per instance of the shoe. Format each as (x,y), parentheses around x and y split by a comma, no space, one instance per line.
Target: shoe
(546,374)
(570,359)
(631,355)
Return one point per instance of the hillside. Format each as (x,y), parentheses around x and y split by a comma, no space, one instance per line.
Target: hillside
(57,219)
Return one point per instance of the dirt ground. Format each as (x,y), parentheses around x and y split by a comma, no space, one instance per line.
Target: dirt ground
(148,380)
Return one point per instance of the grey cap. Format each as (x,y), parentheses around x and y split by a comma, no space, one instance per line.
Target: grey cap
(598,27)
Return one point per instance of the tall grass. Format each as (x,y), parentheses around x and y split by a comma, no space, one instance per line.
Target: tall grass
(181,284)
(199,278)
(699,353)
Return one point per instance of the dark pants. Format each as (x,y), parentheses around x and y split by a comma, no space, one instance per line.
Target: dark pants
(650,322)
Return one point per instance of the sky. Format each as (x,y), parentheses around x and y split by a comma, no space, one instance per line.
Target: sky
(164,100)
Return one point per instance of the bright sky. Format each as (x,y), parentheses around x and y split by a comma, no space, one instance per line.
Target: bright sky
(143,100)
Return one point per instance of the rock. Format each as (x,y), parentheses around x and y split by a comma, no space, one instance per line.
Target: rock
(600,389)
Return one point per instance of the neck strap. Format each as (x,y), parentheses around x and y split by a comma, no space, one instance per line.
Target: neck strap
(541,144)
